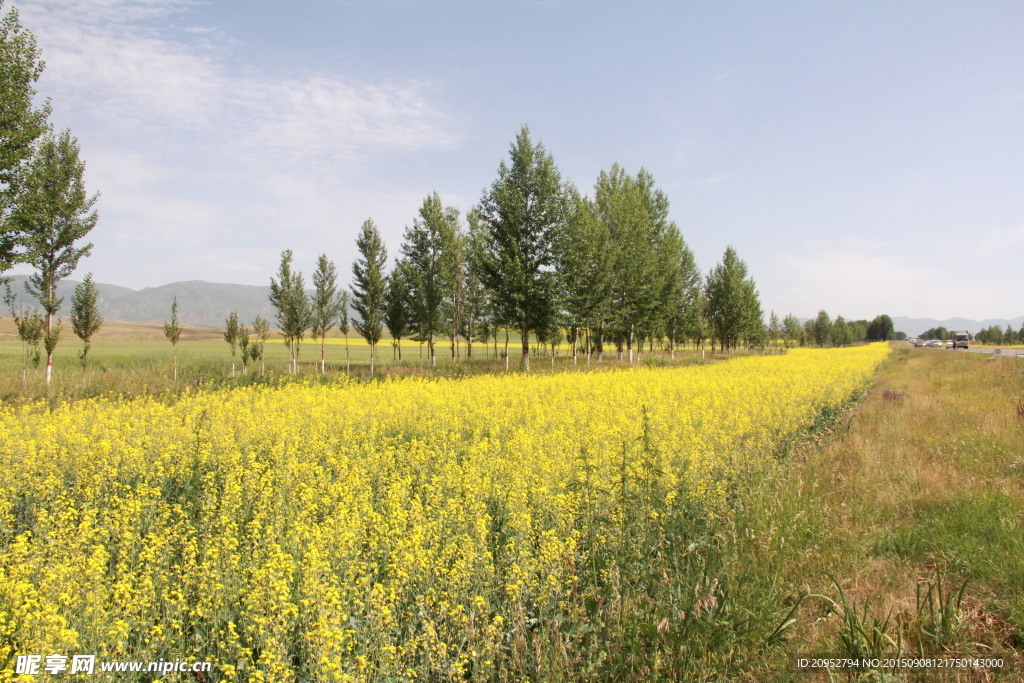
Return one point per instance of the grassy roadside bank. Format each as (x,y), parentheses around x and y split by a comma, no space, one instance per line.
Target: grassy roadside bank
(871,534)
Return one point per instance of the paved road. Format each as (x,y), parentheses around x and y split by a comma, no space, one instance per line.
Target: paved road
(998,352)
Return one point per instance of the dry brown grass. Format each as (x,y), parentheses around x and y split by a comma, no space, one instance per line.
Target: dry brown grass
(115,330)
(925,455)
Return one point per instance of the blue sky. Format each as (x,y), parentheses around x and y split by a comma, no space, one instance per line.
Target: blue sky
(862,157)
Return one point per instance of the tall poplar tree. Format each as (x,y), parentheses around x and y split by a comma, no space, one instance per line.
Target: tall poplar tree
(475,322)
(55,214)
(680,286)
(821,328)
(325,305)
(21,124)
(288,296)
(261,330)
(232,335)
(426,248)
(173,333)
(455,305)
(636,216)
(524,209)
(369,287)
(343,325)
(397,306)
(85,316)
(793,331)
(733,306)
(583,268)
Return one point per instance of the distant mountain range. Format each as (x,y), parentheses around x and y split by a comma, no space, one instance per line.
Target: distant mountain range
(199,303)
(915,326)
(208,303)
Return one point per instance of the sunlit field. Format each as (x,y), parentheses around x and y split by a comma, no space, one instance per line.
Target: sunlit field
(488,528)
(134,359)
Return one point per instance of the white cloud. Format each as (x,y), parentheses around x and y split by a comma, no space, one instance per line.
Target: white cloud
(207,166)
(109,11)
(324,117)
(129,66)
(860,279)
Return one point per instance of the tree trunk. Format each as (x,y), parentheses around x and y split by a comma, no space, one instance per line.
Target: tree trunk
(49,353)
(526,347)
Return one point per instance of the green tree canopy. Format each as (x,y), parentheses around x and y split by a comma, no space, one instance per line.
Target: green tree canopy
(398,304)
(733,305)
(368,285)
(880,329)
(288,297)
(54,214)
(325,305)
(85,315)
(21,124)
(427,251)
(523,209)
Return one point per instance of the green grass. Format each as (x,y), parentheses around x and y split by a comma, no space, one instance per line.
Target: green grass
(134,367)
(914,503)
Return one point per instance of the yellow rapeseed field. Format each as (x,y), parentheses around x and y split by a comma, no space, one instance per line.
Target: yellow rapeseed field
(367,531)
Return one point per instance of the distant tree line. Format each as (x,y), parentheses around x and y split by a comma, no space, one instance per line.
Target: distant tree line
(823,330)
(45,211)
(939,332)
(994,335)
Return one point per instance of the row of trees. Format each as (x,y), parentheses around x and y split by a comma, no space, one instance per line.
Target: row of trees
(45,211)
(822,330)
(537,257)
(995,335)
